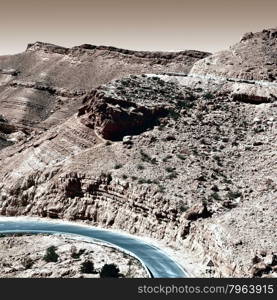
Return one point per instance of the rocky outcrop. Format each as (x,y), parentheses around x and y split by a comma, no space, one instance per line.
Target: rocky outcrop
(43,85)
(264,265)
(130,106)
(183,159)
(253,58)
(158,56)
(181,188)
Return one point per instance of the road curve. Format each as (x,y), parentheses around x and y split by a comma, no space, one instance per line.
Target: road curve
(158,262)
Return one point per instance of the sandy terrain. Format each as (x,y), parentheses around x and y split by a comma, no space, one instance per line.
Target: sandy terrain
(17,250)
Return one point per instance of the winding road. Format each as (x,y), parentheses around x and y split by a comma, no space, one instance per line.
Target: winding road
(159,264)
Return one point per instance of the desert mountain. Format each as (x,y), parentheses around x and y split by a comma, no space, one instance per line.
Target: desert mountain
(253,58)
(41,86)
(151,143)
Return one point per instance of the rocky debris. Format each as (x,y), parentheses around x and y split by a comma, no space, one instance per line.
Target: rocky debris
(3,119)
(200,177)
(175,182)
(41,86)
(252,99)
(197,211)
(254,94)
(253,58)
(11,72)
(10,134)
(45,95)
(22,256)
(47,47)
(264,265)
(131,105)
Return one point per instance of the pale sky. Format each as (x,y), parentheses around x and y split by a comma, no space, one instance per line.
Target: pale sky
(163,25)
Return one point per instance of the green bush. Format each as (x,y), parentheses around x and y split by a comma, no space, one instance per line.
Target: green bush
(76,254)
(51,255)
(87,267)
(109,271)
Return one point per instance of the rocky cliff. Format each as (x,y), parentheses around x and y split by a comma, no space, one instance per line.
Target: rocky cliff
(44,85)
(183,159)
(253,58)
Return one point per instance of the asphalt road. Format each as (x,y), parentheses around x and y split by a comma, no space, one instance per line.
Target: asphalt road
(158,262)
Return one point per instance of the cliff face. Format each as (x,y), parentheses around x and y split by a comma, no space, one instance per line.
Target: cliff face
(184,159)
(44,85)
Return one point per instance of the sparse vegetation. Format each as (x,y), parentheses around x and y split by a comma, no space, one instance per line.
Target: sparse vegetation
(220,150)
(147,158)
(269,183)
(172,175)
(173,114)
(233,195)
(227,181)
(118,166)
(161,188)
(185,103)
(87,267)
(180,156)
(75,254)
(140,167)
(208,96)
(161,127)
(51,255)
(169,169)
(165,159)
(147,181)
(204,202)
(110,271)
(182,206)
(27,262)
(215,196)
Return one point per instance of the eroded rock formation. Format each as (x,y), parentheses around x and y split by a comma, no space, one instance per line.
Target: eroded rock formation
(253,58)
(183,159)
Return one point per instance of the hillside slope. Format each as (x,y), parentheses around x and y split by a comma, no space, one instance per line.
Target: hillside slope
(253,58)
(189,160)
(44,85)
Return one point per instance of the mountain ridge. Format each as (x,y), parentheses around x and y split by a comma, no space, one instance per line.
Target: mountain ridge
(199,177)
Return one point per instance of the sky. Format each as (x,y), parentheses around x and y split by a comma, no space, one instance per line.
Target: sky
(162,25)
